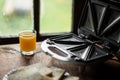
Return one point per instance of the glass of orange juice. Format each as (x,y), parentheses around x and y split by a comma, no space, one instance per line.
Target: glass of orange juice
(27,40)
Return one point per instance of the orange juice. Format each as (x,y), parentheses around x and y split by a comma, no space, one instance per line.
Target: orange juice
(27,41)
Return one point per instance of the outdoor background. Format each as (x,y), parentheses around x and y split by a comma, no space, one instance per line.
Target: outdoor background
(55,16)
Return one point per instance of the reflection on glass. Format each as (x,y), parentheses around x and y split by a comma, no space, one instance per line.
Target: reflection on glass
(16,15)
(56,16)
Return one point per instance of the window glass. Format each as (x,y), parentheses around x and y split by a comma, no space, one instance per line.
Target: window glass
(55,16)
(16,15)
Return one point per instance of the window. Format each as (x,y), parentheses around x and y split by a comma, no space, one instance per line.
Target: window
(45,16)
(56,16)
(16,15)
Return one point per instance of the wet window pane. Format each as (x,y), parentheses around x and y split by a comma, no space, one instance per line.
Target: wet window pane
(15,16)
(56,16)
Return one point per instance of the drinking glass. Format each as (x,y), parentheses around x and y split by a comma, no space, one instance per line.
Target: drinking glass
(27,41)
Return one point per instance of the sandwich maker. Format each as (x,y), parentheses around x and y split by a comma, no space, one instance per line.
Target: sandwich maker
(98,37)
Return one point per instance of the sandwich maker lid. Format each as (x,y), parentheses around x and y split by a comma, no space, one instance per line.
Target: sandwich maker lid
(98,35)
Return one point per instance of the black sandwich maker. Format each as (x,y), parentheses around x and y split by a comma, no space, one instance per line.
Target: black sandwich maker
(98,37)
